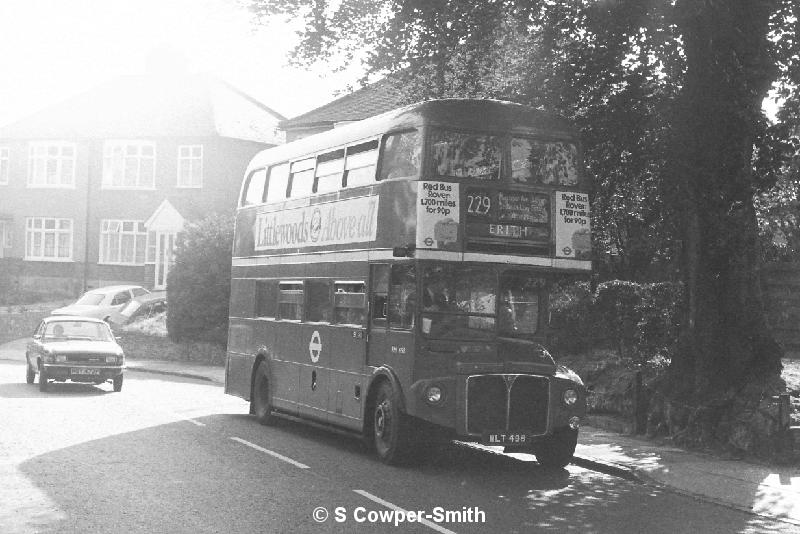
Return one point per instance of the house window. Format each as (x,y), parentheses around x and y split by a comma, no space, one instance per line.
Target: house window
(4,165)
(150,257)
(48,239)
(5,236)
(51,164)
(129,165)
(190,166)
(122,242)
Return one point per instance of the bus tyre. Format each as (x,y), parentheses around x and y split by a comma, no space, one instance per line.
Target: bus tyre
(42,380)
(391,433)
(556,451)
(260,404)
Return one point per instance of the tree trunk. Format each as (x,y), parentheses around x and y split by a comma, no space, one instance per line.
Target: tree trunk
(728,360)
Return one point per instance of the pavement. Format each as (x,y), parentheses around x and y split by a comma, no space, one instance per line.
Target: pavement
(764,490)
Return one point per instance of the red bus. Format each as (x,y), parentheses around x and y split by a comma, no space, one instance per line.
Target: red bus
(391,277)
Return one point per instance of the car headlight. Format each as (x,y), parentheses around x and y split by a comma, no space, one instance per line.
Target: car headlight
(111,359)
(61,358)
(434,395)
(48,358)
(570,397)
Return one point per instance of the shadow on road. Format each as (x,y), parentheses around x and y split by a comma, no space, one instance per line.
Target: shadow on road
(57,389)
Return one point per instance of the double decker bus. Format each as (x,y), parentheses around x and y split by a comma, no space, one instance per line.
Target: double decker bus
(391,277)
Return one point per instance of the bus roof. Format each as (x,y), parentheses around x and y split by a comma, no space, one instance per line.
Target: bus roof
(470,114)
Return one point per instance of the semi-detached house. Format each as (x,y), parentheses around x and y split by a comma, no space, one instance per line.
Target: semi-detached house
(93,191)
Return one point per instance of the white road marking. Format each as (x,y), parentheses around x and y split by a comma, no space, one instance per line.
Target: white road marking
(271,453)
(198,423)
(396,508)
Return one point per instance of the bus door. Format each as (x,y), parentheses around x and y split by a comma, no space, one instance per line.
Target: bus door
(392,310)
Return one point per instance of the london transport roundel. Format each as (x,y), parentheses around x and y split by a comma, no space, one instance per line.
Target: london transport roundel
(315,346)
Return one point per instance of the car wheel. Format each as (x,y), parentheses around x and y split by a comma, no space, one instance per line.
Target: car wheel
(42,380)
(118,383)
(392,437)
(260,402)
(557,450)
(30,374)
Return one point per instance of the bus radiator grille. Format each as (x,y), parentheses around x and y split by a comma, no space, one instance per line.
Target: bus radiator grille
(507,403)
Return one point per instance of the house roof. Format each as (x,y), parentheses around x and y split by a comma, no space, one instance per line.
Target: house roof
(183,105)
(374,99)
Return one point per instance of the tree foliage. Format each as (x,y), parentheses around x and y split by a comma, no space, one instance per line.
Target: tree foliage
(667,94)
(200,280)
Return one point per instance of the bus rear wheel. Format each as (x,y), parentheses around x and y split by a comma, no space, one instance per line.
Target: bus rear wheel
(392,436)
(557,450)
(260,403)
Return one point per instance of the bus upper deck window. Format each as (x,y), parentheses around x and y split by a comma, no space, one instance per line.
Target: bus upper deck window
(543,162)
(360,164)
(330,169)
(400,156)
(302,178)
(278,183)
(466,155)
(254,188)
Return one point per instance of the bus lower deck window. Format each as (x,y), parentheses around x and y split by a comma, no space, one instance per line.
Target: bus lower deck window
(349,301)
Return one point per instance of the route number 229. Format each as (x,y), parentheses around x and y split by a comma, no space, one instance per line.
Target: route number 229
(478,204)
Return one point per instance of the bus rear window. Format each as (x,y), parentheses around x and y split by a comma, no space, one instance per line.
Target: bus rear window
(541,162)
(466,155)
(254,190)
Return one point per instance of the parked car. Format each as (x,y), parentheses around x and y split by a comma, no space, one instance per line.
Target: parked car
(100,303)
(140,307)
(80,349)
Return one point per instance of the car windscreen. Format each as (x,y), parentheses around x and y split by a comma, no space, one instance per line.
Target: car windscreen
(75,330)
(91,299)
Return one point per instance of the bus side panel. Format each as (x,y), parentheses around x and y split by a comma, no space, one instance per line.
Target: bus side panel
(239,361)
(282,378)
(394,349)
(312,342)
(347,381)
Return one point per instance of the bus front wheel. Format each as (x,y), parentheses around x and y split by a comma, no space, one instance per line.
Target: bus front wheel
(391,433)
(260,403)
(557,450)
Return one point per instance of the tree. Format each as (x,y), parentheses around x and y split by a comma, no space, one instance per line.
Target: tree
(199,283)
(668,97)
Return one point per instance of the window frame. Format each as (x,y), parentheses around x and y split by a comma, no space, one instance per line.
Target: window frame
(31,231)
(107,180)
(44,160)
(139,232)
(5,164)
(190,159)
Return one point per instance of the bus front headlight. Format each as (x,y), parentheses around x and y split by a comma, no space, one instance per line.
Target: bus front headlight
(434,395)
(570,397)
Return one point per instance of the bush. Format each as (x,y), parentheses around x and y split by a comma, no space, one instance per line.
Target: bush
(199,283)
(637,321)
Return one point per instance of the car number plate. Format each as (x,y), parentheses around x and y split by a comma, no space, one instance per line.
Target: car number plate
(500,438)
(82,371)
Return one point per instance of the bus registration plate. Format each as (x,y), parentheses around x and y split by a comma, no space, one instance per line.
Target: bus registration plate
(500,438)
(505,230)
(83,371)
